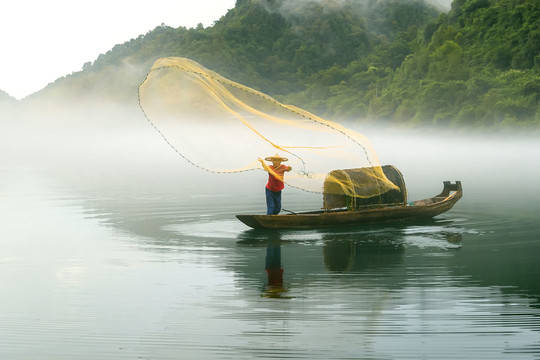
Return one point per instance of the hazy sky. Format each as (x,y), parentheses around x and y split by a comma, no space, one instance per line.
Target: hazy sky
(44,40)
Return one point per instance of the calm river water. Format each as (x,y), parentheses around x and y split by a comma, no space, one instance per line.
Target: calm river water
(102,262)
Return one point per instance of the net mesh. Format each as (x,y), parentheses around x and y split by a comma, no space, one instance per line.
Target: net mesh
(221,126)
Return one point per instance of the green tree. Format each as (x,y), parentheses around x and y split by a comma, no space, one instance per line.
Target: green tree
(446,62)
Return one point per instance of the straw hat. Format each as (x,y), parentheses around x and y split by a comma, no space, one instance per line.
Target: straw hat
(276,158)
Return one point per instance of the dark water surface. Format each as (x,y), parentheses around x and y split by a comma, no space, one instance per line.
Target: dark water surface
(166,272)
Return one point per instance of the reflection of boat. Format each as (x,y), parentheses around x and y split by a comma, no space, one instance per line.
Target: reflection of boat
(370,252)
(394,208)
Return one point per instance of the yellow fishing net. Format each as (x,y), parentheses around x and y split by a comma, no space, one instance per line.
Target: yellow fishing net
(221,126)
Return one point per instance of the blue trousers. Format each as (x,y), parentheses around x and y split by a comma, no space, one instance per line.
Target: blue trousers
(273,202)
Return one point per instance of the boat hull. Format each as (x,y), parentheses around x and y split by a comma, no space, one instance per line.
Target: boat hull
(420,209)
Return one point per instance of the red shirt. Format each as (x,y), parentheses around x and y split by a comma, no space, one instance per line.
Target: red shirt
(275,184)
(275,276)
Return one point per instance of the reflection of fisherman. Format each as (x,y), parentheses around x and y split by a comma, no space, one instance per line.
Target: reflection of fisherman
(275,182)
(273,265)
(274,270)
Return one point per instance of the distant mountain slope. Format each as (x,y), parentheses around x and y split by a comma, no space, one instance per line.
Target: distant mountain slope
(7,102)
(384,60)
(5,97)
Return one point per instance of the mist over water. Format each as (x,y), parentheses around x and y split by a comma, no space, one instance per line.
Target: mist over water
(117,143)
(113,246)
(489,165)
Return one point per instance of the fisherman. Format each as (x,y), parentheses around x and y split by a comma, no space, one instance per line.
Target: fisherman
(275,182)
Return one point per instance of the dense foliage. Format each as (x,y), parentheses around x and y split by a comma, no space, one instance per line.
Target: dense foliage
(479,64)
(393,60)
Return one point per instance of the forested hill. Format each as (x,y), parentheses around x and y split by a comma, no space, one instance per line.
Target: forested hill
(399,61)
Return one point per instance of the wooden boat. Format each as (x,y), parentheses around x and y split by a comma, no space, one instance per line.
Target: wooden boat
(363,213)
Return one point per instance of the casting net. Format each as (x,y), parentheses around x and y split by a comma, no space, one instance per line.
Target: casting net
(221,126)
